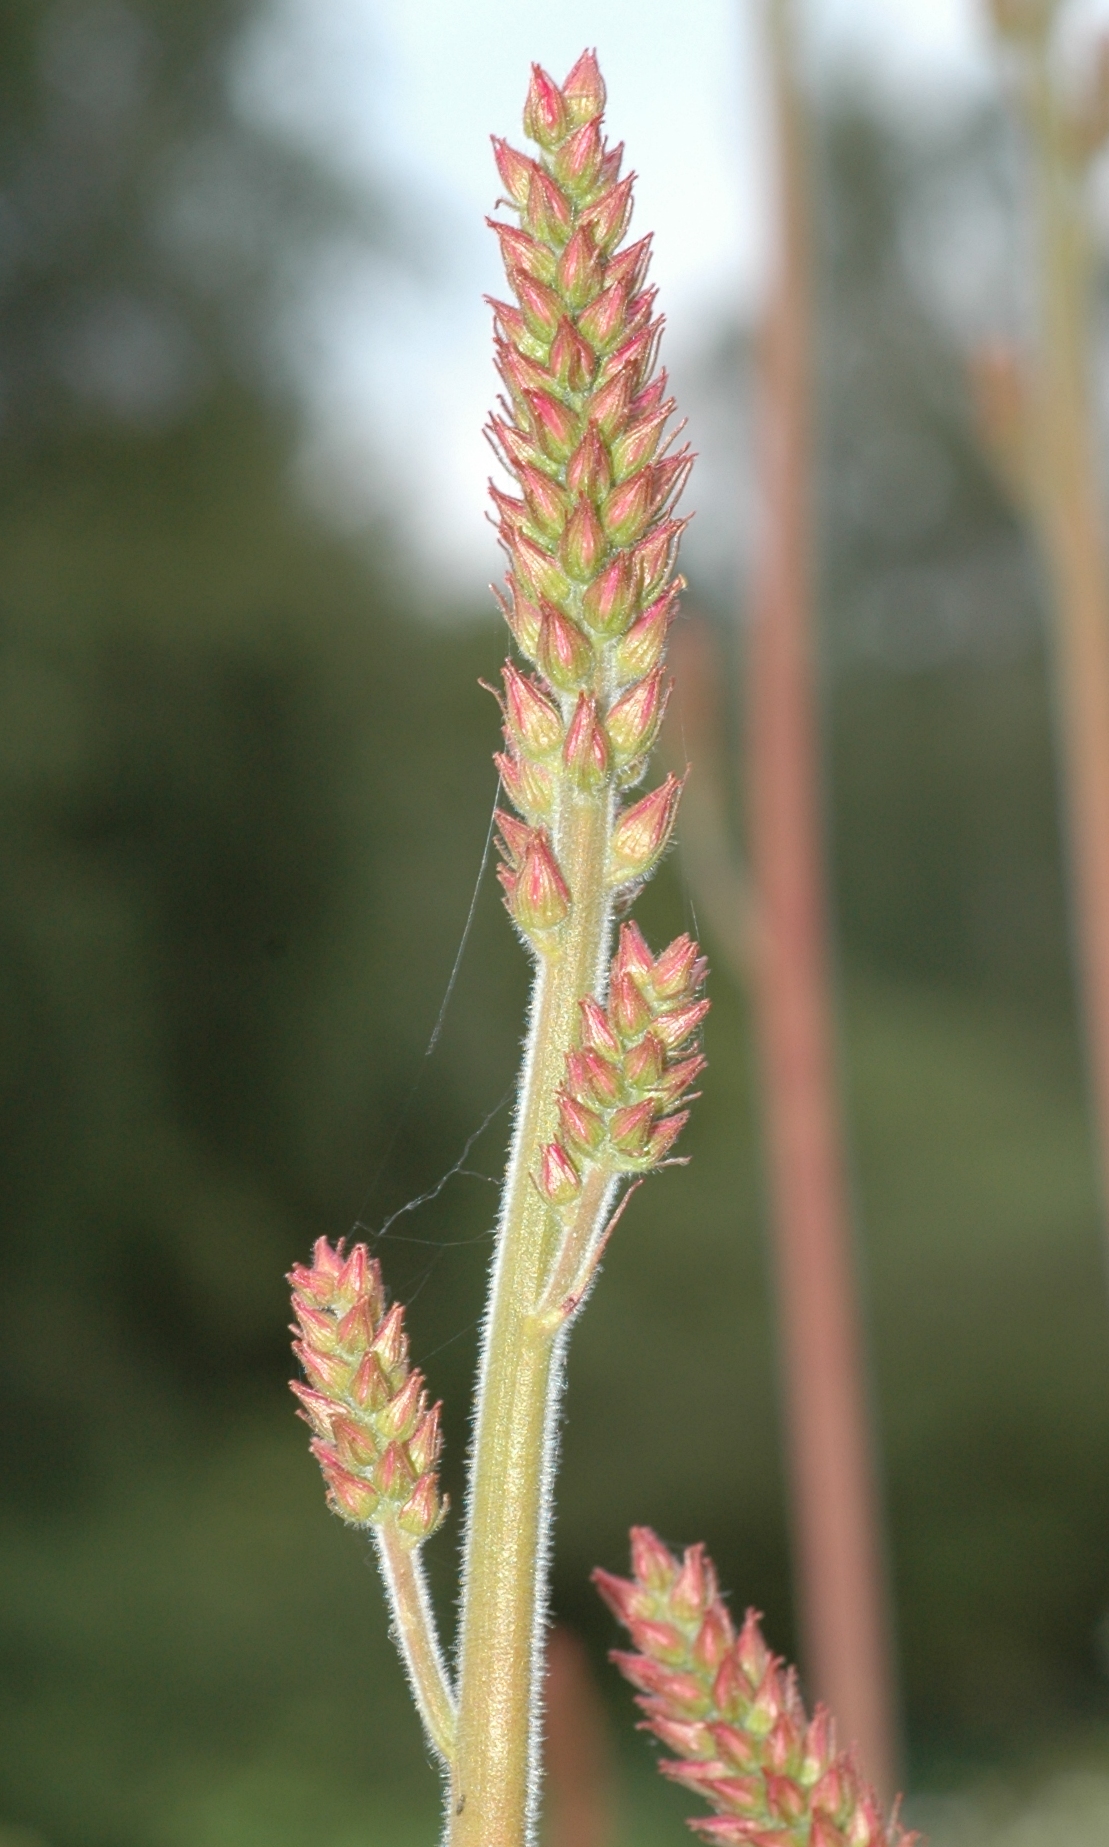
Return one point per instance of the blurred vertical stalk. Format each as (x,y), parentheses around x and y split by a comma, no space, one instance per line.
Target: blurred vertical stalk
(839,1553)
(1065,489)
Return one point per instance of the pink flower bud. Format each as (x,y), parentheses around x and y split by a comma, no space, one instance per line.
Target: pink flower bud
(539,305)
(559,1179)
(643,832)
(426,1442)
(608,217)
(391,1343)
(404,1410)
(528,785)
(820,1744)
(573,361)
(593,1079)
(628,268)
(675,1028)
(578,161)
(521,374)
(663,1136)
(545,115)
(354,1443)
(608,601)
(547,213)
(642,647)
(328,1372)
(610,165)
(734,1747)
(316,1408)
(423,1510)
(731,1690)
(824,1833)
(547,502)
(580,1127)
(317,1328)
(632,954)
(630,1128)
(565,654)
(539,900)
(630,1013)
(638,443)
(645,1062)
(353,1499)
(580,271)
(627,510)
(668,478)
(515,170)
(633,722)
(532,720)
(654,556)
(678,1078)
(522,617)
(585,752)
(589,471)
(784,1798)
(626,1600)
(584,89)
(652,1564)
(557,429)
(596,1033)
(675,971)
(356,1329)
(689,1737)
(394,1476)
(683,1693)
(660,1640)
(370,1389)
(609,406)
(583,544)
(524,255)
(714,1638)
(510,445)
(603,321)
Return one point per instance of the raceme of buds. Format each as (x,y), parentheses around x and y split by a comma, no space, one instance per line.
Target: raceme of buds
(636,1059)
(373,1434)
(589,531)
(734,1720)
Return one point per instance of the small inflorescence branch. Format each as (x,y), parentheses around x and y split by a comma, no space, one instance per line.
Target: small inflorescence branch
(373,1435)
(378,1444)
(735,1721)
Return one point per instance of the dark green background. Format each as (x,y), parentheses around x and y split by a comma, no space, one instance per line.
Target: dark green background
(244,793)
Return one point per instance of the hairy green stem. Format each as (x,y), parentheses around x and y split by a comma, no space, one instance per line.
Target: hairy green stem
(414,1631)
(494,1786)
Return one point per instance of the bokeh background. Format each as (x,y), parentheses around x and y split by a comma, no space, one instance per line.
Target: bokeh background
(245,791)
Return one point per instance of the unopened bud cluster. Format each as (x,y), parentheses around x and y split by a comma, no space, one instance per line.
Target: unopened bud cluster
(721,1702)
(633,1066)
(373,1435)
(591,538)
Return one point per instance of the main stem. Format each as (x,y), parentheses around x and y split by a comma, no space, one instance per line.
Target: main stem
(836,1520)
(494,1784)
(1075,546)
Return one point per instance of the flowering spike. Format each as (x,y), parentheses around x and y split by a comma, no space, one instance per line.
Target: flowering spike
(372,1434)
(735,1724)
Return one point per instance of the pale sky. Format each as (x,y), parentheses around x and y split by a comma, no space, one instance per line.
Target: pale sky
(397,372)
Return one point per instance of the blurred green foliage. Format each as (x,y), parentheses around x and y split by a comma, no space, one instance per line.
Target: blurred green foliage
(243,801)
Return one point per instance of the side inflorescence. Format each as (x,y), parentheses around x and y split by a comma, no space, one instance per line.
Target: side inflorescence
(374,1436)
(735,1721)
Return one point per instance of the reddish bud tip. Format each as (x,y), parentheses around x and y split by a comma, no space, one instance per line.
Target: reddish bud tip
(515,170)
(539,899)
(583,544)
(545,114)
(559,1180)
(565,654)
(532,720)
(585,752)
(633,722)
(652,1564)
(584,89)
(643,831)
